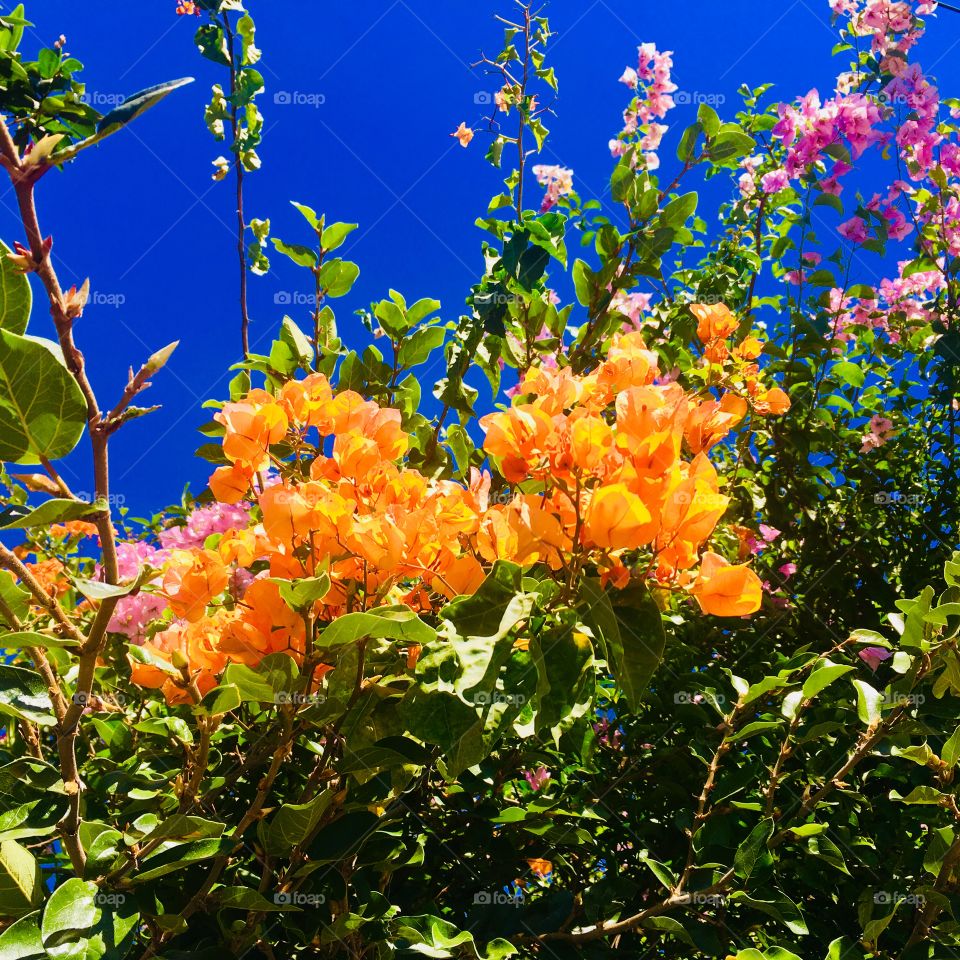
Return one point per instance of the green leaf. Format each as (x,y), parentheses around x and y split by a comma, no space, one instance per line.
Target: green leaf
(754,849)
(14,596)
(869,702)
(71,908)
(392,623)
(249,684)
(300,595)
(97,590)
(116,119)
(335,234)
(21,940)
(338,276)
(15,295)
(849,373)
(950,754)
(178,856)
(218,701)
(52,511)
(21,882)
(138,103)
(42,411)
(26,640)
(822,676)
(635,650)
(183,827)
(300,255)
(24,694)
(294,822)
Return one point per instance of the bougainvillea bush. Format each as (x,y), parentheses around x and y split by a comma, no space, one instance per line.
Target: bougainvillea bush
(644,644)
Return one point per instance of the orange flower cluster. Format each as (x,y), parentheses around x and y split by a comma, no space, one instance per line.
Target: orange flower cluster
(607,469)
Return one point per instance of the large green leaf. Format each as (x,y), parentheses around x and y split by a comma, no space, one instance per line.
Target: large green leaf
(42,411)
(53,511)
(631,628)
(120,116)
(81,923)
(293,823)
(24,694)
(21,940)
(21,882)
(15,296)
(392,623)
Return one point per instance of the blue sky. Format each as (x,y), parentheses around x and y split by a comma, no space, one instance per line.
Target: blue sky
(361,98)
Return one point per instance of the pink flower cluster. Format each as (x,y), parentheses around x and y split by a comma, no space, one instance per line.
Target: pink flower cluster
(809,128)
(202,523)
(558,182)
(633,305)
(901,306)
(134,613)
(892,26)
(652,83)
(879,431)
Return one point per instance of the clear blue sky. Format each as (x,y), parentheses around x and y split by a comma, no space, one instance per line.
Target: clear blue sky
(379,88)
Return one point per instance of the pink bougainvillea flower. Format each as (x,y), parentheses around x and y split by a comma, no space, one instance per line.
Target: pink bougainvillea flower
(874,656)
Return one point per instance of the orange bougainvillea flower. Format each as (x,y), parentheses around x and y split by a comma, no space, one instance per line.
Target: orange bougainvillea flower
(618,519)
(714,321)
(749,349)
(708,423)
(231,484)
(251,426)
(773,401)
(463,134)
(74,528)
(726,590)
(191,580)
